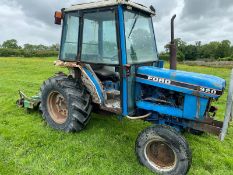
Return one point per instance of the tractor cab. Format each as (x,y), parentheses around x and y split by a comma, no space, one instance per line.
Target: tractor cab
(112,39)
(111,47)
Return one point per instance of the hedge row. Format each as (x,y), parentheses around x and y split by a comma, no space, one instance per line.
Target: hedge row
(226,59)
(27,53)
(166,56)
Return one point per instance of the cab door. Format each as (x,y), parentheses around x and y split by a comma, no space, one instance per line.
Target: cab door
(98,44)
(138,48)
(99,48)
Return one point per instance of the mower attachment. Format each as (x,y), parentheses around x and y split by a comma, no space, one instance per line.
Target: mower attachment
(26,102)
(229,109)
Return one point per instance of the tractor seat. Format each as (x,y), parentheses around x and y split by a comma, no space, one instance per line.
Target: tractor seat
(105,74)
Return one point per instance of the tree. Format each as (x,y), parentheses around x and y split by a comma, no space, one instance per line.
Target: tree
(29,47)
(54,47)
(42,47)
(11,44)
(180,56)
(180,45)
(212,50)
(164,56)
(232,51)
(209,50)
(190,52)
(198,43)
(223,49)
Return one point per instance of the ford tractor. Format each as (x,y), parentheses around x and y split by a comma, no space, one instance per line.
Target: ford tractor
(110,50)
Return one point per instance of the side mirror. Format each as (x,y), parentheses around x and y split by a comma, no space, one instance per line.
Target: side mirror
(58,17)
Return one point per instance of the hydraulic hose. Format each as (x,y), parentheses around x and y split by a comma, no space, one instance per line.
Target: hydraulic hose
(138,117)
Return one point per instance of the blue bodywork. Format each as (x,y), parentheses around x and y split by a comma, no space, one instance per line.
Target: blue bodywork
(123,59)
(194,91)
(96,84)
(203,80)
(197,91)
(176,98)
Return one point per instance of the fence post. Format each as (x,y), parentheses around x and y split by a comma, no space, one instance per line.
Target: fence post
(229,109)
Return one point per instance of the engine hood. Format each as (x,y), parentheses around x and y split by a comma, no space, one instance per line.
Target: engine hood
(204,83)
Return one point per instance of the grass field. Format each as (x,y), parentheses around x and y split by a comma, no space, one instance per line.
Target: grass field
(28,146)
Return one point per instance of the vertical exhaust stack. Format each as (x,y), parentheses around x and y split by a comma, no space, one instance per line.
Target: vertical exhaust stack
(173,61)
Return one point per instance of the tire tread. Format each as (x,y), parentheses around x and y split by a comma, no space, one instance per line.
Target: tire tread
(78,100)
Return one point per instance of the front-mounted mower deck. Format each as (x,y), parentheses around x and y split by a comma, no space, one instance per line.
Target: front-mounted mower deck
(110,50)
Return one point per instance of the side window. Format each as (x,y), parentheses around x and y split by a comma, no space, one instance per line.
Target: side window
(69,44)
(99,38)
(90,38)
(109,40)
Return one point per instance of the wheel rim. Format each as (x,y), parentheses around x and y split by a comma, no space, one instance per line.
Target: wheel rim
(160,155)
(57,107)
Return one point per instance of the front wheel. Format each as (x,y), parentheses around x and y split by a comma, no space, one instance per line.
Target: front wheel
(163,150)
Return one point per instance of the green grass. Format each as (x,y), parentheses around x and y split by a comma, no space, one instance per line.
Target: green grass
(106,146)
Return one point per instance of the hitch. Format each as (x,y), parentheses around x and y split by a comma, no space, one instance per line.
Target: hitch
(229,109)
(26,102)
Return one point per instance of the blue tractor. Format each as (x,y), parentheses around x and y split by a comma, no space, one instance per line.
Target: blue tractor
(110,50)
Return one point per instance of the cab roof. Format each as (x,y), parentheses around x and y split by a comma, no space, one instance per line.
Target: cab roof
(109,3)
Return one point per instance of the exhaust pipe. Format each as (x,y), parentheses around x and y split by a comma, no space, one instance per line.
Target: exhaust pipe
(173,61)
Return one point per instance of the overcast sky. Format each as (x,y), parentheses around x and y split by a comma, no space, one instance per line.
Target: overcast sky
(31,21)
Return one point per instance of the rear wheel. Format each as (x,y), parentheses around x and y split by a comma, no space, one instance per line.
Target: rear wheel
(163,150)
(65,104)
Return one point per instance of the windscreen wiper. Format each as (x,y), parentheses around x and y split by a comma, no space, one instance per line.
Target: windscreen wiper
(134,24)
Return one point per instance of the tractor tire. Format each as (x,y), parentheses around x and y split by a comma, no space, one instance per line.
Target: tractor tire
(163,150)
(65,104)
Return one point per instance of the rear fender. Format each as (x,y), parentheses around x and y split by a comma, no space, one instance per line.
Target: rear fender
(93,84)
(89,79)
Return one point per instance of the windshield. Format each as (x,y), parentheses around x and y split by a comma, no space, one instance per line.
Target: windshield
(140,40)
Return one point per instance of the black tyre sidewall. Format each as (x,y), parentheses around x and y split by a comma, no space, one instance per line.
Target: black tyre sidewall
(173,140)
(45,94)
